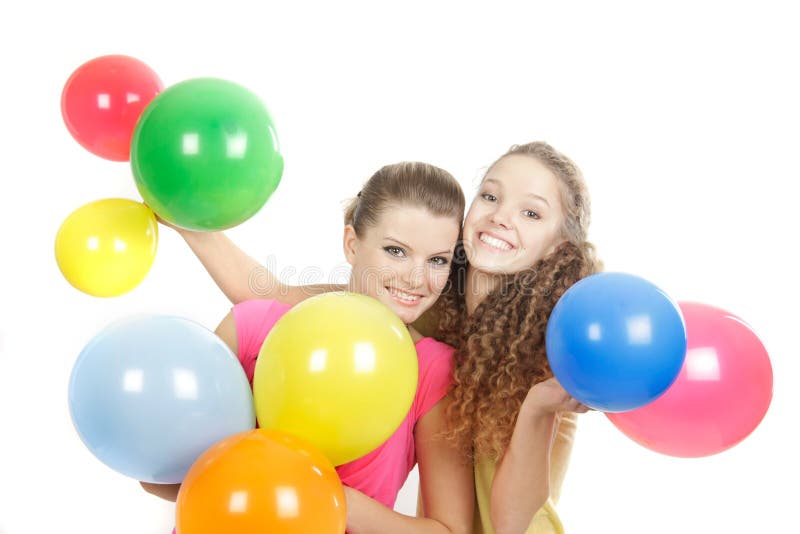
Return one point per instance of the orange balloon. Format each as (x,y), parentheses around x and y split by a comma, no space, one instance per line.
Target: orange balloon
(261,481)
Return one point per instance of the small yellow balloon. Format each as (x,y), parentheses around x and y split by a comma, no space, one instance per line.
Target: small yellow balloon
(339,370)
(105,248)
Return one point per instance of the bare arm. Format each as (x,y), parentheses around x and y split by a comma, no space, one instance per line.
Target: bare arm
(446,486)
(234,272)
(522,482)
(227,332)
(239,276)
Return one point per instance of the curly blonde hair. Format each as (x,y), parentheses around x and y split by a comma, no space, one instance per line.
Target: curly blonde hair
(500,348)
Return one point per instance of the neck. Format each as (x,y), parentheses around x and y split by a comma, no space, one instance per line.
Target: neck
(415,336)
(477,286)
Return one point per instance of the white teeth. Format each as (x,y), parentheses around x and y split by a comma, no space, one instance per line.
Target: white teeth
(402,295)
(494,242)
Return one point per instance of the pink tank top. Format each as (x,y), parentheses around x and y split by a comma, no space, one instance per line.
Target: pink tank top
(381,473)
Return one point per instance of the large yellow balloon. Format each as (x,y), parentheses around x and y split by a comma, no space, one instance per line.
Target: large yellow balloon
(105,248)
(339,370)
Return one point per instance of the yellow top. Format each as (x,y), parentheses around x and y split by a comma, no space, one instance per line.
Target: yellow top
(546,520)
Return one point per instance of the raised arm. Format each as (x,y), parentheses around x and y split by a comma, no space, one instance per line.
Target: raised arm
(446,488)
(239,276)
(522,482)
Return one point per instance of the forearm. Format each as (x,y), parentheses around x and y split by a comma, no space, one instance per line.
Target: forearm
(239,276)
(368,516)
(522,483)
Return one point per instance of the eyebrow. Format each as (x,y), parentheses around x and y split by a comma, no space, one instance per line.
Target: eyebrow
(409,247)
(531,195)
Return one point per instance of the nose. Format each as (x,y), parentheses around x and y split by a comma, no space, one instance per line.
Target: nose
(414,276)
(501,217)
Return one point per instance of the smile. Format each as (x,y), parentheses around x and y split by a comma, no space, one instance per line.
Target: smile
(407,299)
(494,242)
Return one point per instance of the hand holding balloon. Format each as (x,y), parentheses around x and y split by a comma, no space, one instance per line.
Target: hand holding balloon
(549,396)
(615,341)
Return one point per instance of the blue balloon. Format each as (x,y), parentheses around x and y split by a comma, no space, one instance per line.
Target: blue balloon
(615,341)
(149,394)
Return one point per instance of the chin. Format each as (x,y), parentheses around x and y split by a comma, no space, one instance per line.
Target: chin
(406,316)
(492,265)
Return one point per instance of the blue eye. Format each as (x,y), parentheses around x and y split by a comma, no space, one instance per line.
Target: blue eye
(488,197)
(397,252)
(531,214)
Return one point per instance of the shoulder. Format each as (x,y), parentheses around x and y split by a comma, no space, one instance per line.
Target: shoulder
(293,295)
(253,321)
(435,373)
(258,309)
(431,352)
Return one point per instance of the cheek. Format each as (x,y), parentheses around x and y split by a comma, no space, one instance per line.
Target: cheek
(472,217)
(367,274)
(555,239)
(357,277)
(371,264)
(438,279)
(543,244)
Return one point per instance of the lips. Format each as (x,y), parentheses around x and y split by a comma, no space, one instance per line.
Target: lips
(494,242)
(406,298)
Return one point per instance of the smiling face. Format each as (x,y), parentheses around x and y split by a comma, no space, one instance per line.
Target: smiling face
(516,218)
(403,260)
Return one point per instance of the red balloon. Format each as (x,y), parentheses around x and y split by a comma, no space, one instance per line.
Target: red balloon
(720,396)
(102,101)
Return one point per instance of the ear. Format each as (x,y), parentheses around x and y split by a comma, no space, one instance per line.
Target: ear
(350,243)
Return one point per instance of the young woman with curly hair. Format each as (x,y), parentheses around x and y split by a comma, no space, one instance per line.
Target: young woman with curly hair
(524,243)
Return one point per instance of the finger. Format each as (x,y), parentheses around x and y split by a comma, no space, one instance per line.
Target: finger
(568,405)
(576,406)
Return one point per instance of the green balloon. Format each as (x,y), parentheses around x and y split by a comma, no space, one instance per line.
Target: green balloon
(205,154)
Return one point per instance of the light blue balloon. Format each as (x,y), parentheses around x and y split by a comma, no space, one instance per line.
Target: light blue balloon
(615,341)
(149,394)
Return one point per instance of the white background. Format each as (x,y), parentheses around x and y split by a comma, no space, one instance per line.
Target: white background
(682,115)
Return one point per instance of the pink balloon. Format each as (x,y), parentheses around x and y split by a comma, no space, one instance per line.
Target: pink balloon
(720,396)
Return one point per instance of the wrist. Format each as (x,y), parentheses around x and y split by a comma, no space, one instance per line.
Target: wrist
(536,412)
(193,236)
